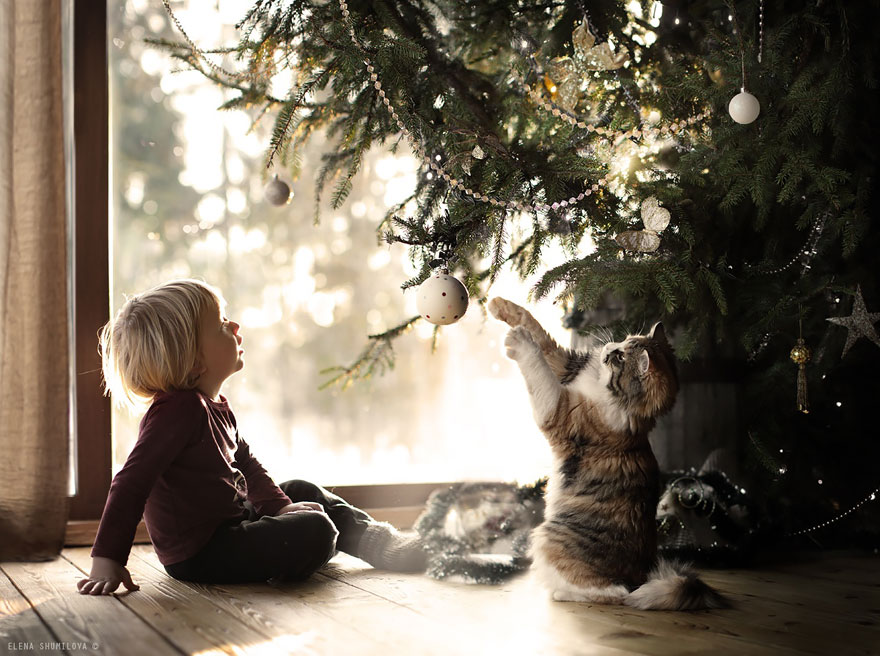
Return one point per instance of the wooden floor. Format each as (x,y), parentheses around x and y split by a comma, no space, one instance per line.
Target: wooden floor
(830,606)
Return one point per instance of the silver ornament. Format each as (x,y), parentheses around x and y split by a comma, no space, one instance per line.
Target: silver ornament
(277,192)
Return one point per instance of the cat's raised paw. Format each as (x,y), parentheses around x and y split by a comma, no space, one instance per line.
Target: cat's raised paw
(519,342)
(508,312)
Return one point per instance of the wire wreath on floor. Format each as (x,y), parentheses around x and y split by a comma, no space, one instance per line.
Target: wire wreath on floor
(480,531)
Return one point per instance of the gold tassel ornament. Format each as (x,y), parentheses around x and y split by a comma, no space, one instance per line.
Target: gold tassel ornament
(800,355)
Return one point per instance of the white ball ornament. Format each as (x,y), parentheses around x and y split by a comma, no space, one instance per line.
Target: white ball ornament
(442,299)
(277,192)
(744,107)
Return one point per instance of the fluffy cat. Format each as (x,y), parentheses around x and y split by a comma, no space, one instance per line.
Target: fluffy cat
(598,540)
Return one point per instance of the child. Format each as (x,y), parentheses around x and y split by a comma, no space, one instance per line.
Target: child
(213,513)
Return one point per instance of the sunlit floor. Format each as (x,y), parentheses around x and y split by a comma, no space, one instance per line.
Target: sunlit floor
(829,605)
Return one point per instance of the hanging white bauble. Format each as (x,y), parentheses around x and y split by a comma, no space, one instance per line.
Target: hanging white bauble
(442,299)
(744,107)
(277,192)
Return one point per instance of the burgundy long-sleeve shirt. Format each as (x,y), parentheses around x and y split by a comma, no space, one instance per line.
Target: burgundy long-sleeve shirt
(189,472)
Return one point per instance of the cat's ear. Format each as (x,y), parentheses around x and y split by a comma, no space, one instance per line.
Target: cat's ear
(658,333)
(644,362)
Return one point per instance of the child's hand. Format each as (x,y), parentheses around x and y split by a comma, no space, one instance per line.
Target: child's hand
(105,577)
(301,506)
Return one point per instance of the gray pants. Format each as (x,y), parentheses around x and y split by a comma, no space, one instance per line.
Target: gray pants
(287,548)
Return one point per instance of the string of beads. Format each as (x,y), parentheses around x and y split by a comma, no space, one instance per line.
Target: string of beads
(761,31)
(804,254)
(455,183)
(432,162)
(200,54)
(578,122)
(870,497)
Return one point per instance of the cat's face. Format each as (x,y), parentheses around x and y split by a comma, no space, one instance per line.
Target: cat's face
(641,373)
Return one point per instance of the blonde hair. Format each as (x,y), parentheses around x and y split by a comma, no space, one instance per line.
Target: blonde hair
(152,345)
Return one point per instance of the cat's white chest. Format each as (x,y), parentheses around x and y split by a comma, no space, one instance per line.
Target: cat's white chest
(593,385)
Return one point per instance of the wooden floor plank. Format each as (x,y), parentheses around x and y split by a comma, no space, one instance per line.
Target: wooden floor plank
(826,599)
(96,625)
(811,608)
(181,612)
(528,616)
(860,569)
(329,615)
(284,613)
(20,627)
(805,624)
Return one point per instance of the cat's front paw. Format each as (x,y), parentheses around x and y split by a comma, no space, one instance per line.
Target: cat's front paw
(508,312)
(519,343)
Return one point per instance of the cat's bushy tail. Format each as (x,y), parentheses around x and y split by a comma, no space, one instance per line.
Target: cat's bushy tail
(674,586)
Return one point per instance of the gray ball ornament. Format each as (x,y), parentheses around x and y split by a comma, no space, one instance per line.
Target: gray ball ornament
(277,192)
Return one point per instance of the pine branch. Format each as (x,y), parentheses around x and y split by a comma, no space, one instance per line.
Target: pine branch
(376,358)
(736,192)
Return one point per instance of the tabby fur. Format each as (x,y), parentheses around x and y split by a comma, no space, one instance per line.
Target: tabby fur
(598,540)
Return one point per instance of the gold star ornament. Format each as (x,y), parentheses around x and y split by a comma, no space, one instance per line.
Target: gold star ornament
(860,323)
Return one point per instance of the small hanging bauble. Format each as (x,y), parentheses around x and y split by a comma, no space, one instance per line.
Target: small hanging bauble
(801,353)
(277,192)
(744,107)
(442,299)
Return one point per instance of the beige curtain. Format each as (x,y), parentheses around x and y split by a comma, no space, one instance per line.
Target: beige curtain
(34,378)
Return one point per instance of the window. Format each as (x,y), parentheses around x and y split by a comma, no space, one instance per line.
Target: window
(186,200)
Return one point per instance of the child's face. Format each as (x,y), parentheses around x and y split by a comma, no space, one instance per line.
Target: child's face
(221,352)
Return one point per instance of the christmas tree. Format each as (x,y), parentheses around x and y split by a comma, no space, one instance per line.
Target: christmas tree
(542,122)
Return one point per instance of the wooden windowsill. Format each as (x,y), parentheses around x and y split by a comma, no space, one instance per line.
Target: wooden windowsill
(399,505)
(81,533)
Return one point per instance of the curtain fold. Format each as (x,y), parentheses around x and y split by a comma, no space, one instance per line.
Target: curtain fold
(34,349)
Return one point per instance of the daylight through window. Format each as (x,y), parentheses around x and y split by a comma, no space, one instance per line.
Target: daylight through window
(187,200)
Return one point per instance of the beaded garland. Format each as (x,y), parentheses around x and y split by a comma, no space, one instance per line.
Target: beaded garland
(804,255)
(761,30)
(200,54)
(633,133)
(612,135)
(577,121)
(455,183)
(871,497)
(774,467)
(637,132)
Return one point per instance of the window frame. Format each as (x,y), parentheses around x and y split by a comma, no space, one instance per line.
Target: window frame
(398,503)
(92,443)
